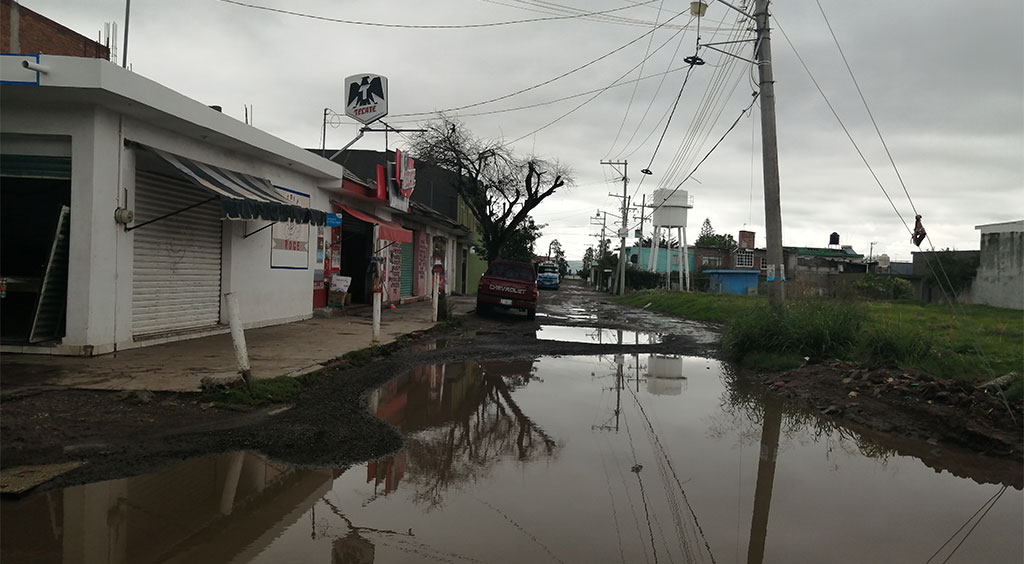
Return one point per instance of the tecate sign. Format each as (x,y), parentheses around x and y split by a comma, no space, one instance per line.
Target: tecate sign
(367,99)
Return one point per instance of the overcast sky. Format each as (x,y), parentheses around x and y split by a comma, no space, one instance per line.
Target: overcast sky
(943,79)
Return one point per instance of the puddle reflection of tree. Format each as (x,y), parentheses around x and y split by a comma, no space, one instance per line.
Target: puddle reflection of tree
(743,415)
(483,429)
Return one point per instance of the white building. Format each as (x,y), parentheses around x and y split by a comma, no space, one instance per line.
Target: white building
(129,210)
(1000,278)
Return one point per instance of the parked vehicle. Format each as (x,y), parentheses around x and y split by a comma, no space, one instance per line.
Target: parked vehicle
(509,285)
(547,276)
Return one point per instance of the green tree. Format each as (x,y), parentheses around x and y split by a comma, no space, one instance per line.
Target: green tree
(500,188)
(706,230)
(663,243)
(589,259)
(708,238)
(558,257)
(522,242)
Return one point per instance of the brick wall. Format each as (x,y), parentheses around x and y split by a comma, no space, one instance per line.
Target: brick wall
(25,31)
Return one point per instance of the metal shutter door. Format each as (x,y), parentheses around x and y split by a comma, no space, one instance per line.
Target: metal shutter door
(407,269)
(177,260)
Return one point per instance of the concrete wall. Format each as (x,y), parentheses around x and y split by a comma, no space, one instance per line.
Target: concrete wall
(92,267)
(99,304)
(1000,278)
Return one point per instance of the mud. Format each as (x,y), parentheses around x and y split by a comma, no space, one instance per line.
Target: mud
(122,435)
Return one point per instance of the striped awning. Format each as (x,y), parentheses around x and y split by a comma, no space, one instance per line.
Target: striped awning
(241,196)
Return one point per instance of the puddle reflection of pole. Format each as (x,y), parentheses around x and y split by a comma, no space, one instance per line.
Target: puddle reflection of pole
(770,429)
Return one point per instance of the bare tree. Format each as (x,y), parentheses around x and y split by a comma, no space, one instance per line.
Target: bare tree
(499,188)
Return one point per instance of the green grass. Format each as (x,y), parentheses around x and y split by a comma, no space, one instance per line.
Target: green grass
(973,342)
(261,392)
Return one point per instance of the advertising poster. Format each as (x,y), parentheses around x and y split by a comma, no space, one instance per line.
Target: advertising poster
(290,241)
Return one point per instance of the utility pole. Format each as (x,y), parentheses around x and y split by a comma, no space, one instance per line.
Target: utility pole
(601,247)
(127,16)
(625,219)
(770,159)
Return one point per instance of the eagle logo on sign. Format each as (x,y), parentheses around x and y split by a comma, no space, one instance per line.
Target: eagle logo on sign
(362,94)
(367,97)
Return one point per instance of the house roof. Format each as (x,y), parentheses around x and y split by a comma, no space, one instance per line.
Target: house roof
(823,252)
(1004,227)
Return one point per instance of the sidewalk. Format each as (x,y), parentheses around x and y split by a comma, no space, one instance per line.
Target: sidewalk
(290,349)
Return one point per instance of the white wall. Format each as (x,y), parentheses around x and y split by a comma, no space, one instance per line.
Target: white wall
(266,295)
(92,269)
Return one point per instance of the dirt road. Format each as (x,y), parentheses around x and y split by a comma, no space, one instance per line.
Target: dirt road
(121,434)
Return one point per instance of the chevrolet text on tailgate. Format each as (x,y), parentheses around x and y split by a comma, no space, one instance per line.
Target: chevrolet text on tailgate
(507,284)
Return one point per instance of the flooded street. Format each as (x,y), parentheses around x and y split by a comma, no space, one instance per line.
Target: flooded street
(618,458)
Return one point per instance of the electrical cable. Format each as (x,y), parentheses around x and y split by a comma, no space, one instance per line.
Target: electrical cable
(588,100)
(647,111)
(546,82)
(421,26)
(636,85)
(548,102)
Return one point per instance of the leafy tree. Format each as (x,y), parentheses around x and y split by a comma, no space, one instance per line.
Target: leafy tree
(706,230)
(500,188)
(521,243)
(589,259)
(558,257)
(708,238)
(663,243)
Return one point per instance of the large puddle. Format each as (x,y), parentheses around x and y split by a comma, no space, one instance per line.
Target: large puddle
(635,458)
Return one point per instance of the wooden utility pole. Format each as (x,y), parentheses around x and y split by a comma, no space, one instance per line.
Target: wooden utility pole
(621,286)
(770,159)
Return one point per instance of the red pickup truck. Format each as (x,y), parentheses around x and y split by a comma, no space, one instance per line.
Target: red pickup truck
(508,284)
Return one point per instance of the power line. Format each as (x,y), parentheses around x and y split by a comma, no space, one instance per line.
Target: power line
(422,26)
(588,100)
(636,85)
(548,102)
(546,82)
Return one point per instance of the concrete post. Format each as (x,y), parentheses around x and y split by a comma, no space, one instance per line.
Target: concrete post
(770,158)
(684,259)
(434,283)
(238,337)
(377,297)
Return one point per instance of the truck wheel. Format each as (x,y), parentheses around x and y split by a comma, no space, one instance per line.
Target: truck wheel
(482,308)
(531,313)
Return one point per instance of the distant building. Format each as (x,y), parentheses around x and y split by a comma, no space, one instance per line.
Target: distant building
(1000,278)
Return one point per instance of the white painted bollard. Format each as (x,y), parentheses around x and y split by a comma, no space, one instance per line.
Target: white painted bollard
(434,298)
(377,299)
(238,337)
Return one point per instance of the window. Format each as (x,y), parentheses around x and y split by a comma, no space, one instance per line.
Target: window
(711,261)
(744,259)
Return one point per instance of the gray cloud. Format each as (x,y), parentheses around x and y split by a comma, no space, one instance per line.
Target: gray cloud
(944,79)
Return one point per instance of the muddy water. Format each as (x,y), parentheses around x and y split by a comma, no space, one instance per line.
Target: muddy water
(634,458)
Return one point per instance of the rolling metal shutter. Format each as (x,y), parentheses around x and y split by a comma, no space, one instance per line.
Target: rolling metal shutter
(177,260)
(408,271)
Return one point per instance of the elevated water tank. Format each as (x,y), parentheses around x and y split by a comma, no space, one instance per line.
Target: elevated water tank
(672,206)
(833,239)
(883,261)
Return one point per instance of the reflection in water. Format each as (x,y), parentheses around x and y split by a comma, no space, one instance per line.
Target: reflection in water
(575,459)
(212,509)
(457,435)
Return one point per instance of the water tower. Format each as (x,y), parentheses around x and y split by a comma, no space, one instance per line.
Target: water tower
(670,207)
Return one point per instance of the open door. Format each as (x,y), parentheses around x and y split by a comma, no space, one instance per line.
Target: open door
(48,321)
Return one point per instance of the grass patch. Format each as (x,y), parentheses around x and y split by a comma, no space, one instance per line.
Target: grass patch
(261,392)
(816,329)
(974,343)
(889,344)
